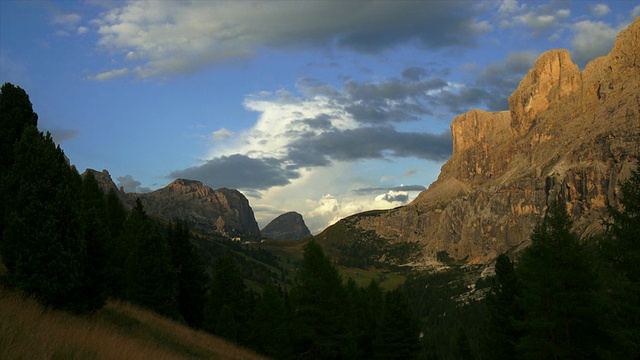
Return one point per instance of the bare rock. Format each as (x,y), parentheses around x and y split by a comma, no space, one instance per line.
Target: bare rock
(288,226)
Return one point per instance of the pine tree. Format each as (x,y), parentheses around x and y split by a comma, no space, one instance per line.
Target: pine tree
(16,114)
(398,335)
(150,278)
(43,246)
(559,291)
(192,278)
(620,251)
(271,323)
(320,319)
(503,312)
(229,303)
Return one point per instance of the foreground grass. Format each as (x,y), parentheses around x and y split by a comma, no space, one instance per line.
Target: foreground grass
(118,331)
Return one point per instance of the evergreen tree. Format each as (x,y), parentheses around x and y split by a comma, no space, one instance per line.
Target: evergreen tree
(271,323)
(16,114)
(503,312)
(150,278)
(230,305)
(192,278)
(398,335)
(320,319)
(620,251)
(43,246)
(94,289)
(559,291)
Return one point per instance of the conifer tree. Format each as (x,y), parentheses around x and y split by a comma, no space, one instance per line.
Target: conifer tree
(271,323)
(320,319)
(150,278)
(191,275)
(620,250)
(503,312)
(43,245)
(559,288)
(16,114)
(229,303)
(398,335)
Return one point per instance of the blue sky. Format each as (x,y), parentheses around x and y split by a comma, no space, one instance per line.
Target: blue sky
(327,108)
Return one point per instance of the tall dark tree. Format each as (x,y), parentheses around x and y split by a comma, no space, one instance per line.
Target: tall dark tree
(620,250)
(320,319)
(271,323)
(94,289)
(43,246)
(16,114)
(559,292)
(150,278)
(230,305)
(191,274)
(398,335)
(503,312)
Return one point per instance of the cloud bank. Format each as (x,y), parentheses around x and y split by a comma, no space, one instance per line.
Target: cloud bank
(157,38)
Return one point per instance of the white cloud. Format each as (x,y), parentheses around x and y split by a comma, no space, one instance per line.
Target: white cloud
(600,10)
(508,7)
(111,74)
(591,40)
(82,29)
(220,135)
(635,12)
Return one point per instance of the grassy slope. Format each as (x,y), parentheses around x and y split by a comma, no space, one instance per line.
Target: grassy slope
(118,331)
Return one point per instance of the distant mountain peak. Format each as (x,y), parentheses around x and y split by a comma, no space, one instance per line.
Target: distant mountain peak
(288,226)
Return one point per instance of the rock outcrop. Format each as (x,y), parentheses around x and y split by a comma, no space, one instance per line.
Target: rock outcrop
(569,136)
(223,211)
(288,226)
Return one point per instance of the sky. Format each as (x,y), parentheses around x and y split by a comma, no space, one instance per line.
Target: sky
(327,108)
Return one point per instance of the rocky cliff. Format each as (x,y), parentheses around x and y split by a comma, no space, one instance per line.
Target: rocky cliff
(569,135)
(223,211)
(288,226)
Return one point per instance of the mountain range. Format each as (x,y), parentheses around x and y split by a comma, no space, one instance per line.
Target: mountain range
(569,136)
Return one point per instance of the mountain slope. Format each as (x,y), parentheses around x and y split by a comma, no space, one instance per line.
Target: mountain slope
(568,135)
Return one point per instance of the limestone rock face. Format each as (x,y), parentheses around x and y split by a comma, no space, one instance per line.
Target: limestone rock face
(288,226)
(569,136)
(223,211)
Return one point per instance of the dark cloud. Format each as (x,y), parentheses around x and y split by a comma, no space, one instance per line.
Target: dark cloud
(414,73)
(431,24)
(373,143)
(131,185)
(371,190)
(239,172)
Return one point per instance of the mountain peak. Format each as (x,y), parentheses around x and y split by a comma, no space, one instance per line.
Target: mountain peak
(288,226)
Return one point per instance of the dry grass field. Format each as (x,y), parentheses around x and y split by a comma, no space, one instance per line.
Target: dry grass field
(118,331)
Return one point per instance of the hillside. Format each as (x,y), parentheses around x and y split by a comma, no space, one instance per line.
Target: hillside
(118,331)
(569,135)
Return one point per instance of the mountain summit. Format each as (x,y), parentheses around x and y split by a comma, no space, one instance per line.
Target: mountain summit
(568,135)
(288,226)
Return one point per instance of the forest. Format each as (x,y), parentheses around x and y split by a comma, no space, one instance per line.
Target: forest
(70,246)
